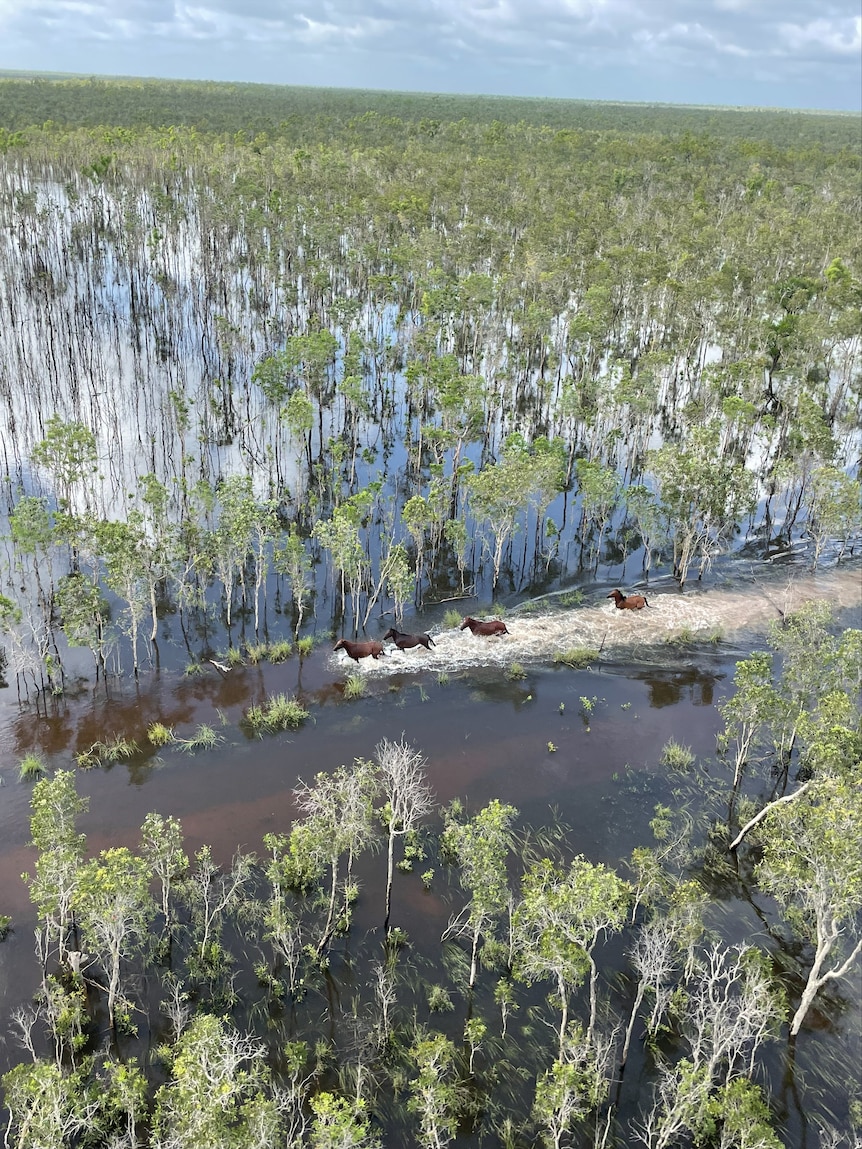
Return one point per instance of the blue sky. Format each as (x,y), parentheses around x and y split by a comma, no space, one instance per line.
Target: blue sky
(773,53)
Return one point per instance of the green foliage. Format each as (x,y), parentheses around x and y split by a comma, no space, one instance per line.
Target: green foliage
(676,756)
(354,686)
(577,657)
(31,768)
(278,713)
(159,735)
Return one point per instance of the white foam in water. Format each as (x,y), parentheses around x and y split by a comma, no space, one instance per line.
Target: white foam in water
(736,611)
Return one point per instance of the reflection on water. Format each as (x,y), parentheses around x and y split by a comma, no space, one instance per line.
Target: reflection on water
(667,687)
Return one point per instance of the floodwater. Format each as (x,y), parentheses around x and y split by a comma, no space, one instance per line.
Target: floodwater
(579,746)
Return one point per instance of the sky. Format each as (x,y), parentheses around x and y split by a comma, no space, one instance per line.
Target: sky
(766,53)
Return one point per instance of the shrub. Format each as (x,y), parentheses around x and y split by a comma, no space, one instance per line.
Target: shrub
(439,1000)
(452,619)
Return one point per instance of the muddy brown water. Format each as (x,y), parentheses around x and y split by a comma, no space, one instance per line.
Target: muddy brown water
(527,741)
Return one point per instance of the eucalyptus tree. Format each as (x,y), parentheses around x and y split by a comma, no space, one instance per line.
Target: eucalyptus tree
(559,921)
(55,807)
(84,613)
(129,571)
(480,847)
(291,558)
(341,1123)
(212,893)
(833,510)
(340,536)
(725,1010)
(704,497)
(32,533)
(162,849)
(47,1105)
(434,1094)
(114,908)
(650,521)
(218,1092)
(403,781)
(68,452)
(500,494)
(311,357)
(232,539)
(573,1088)
(337,820)
(599,490)
(811,865)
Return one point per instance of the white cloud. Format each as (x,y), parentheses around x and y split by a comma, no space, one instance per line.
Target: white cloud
(689,50)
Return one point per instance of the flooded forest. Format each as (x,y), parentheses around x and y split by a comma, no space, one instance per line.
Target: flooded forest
(283,367)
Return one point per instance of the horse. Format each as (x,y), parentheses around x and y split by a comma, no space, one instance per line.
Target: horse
(408,641)
(479,626)
(628,601)
(357,650)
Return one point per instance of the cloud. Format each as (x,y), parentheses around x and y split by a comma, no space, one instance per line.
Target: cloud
(625,49)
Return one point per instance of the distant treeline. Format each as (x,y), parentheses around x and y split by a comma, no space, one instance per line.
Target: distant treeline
(282,110)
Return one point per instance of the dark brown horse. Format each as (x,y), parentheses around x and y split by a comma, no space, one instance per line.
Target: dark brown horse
(484,626)
(358,650)
(408,641)
(628,601)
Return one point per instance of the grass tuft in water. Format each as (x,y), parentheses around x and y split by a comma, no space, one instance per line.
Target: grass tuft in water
(676,756)
(443,678)
(354,686)
(279,713)
(106,753)
(204,738)
(515,671)
(279,651)
(577,657)
(193,669)
(5,925)
(233,657)
(305,646)
(452,619)
(256,652)
(159,735)
(32,768)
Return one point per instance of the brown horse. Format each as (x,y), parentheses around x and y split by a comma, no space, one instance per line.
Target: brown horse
(628,601)
(358,650)
(479,626)
(408,641)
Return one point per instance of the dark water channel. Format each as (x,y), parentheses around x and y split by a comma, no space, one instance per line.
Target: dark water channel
(531,742)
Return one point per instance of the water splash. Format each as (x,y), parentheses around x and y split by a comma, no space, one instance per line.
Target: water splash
(737,610)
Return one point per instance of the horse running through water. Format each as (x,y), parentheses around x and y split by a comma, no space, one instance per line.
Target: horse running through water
(482,627)
(357,650)
(628,601)
(408,641)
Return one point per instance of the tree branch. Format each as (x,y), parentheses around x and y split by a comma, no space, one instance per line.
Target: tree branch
(766,809)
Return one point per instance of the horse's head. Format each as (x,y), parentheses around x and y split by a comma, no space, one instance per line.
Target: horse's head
(340,645)
(467,622)
(391,633)
(616,595)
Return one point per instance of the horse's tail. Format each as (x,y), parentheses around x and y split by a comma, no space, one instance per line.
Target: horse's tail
(430,639)
(646,602)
